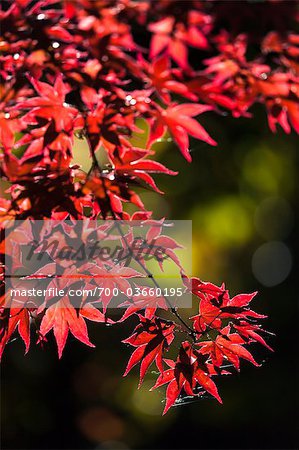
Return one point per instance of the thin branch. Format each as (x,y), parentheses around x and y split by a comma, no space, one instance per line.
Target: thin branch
(190,331)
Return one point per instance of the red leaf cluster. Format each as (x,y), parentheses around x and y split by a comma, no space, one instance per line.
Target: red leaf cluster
(96,70)
(79,67)
(220,332)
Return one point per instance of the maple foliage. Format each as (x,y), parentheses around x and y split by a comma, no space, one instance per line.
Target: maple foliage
(187,373)
(96,69)
(151,337)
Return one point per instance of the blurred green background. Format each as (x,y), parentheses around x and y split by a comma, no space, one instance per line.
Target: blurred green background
(242,199)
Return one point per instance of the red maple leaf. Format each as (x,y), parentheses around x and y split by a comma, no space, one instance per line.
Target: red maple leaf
(228,346)
(50,105)
(63,318)
(173,38)
(133,165)
(12,319)
(185,375)
(151,337)
(165,79)
(216,305)
(250,332)
(178,120)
